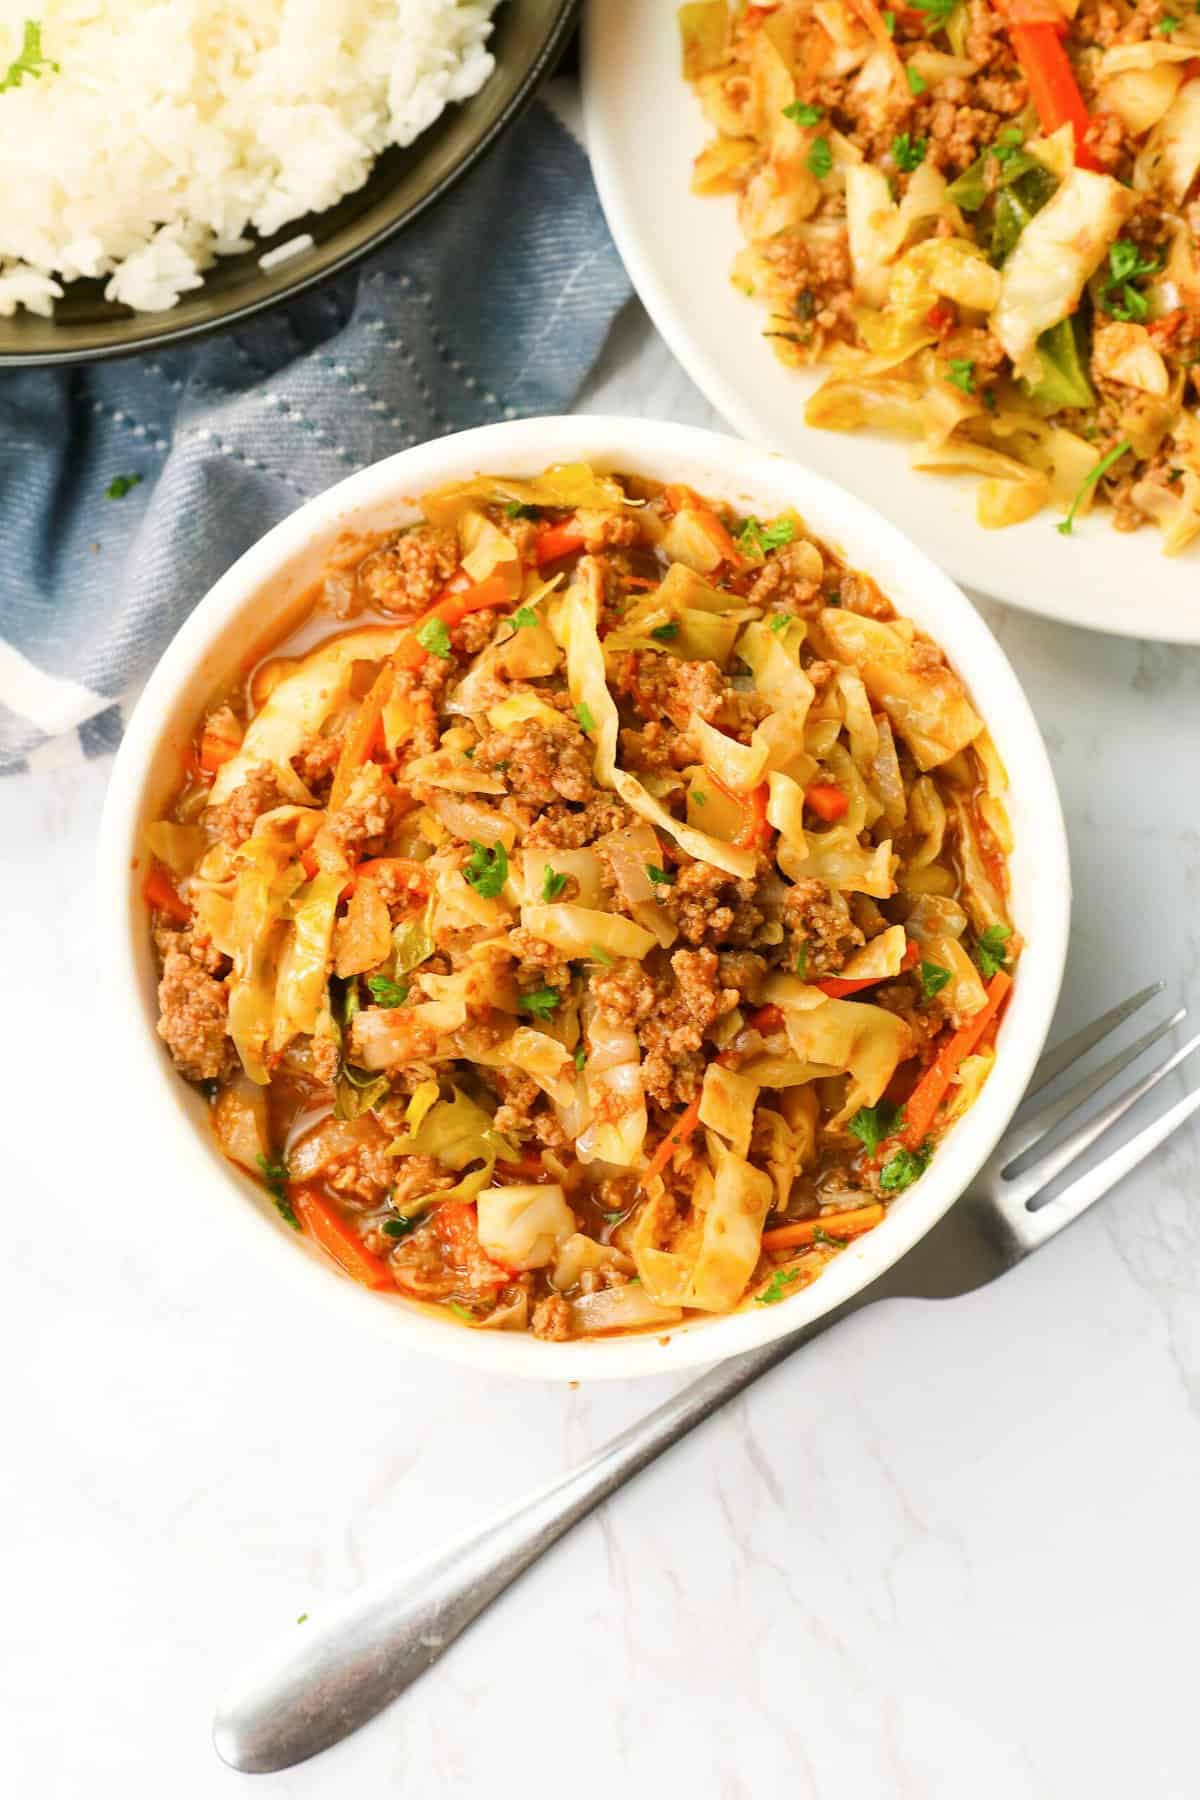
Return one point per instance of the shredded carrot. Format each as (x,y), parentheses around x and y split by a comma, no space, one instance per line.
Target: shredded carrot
(554,541)
(930,1091)
(340,1240)
(827,801)
(754,832)
(360,739)
(158,890)
(453,608)
(217,746)
(679,1134)
(843,1225)
(1052,84)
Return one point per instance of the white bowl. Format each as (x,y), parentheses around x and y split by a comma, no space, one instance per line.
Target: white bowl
(254,600)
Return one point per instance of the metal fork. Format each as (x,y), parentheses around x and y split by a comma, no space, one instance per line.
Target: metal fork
(326,1681)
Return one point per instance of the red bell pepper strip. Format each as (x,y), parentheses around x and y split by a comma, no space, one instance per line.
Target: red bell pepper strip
(158,890)
(753,833)
(1052,84)
(827,801)
(554,541)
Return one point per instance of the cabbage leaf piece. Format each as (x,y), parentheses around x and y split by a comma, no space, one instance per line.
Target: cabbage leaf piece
(712,1262)
(524,1227)
(300,985)
(927,704)
(455,1131)
(1058,250)
(299,705)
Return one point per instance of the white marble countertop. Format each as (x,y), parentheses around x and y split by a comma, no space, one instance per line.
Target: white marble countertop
(949,1552)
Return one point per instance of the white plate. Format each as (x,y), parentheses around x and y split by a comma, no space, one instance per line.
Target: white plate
(643,129)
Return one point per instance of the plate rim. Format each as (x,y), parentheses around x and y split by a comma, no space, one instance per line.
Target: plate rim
(522,96)
(724,395)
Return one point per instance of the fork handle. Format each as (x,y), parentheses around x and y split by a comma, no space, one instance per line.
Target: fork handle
(331,1677)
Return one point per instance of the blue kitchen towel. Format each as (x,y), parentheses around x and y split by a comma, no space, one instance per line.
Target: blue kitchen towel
(493,305)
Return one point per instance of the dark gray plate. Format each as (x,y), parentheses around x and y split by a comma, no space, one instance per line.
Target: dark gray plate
(528,37)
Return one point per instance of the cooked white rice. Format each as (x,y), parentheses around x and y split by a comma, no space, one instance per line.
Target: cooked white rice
(171,128)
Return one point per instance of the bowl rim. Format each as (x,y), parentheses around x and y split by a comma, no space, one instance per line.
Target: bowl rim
(170,337)
(170,1112)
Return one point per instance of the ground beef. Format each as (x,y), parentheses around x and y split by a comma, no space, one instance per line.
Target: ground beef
(193,1006)
(819,919)
(415,1177)
(324,1060)
(366,811)
(257,794)
(670,1015)
(316,761)
(859,594)
(791,579)
(552,1319)
(539,765)
(608,531)
(742,971)
(565,827)
(657,748)
(660,686)
(711,907)
(406,576)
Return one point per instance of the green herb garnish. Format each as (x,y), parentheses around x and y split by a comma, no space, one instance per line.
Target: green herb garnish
(387,993)
(487,870)
(580,1057)
(461,1312)
(961,374)
(1167,24)
(398,1227)
(275,1175)
(802,112)
(120,485)
(756,536)
(903,1169)
(776,1288)
(434,636)
(542,1002)
(889,23)
(1065,526)
(780,621)
(665,633)
(938,10)
(586,716)
(516,509)
(933,978)
(916,81)
(599,955)
(699,797)
(552,883)
(1007,145)
(31,62)
(660,877)
(1126,264)
(827,1241)
(872,1124)
(524,617)
(989,950)
(819,160)
(908,153)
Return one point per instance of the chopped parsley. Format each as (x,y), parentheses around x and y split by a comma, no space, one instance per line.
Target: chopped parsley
(889,23)
(819,160)
(302,1619)
(780,621)
(776,1288)
(938,10)
(802,962)
(916,81)
(275,1175)
(31,62)
(1065,526)
(989,950)
(434,636)
(387,993)
(802,112)
(908,152)
(461,1312)
(933,978)
(524,617)
(826,1241)
(586,716)
(1126,264)
(699,798)
(487,870)
(516,509)
(552,883)
(660,877)
(903,1169)
(872,1124)
(665,633)
(756,536)
(542,1002)
(398,1227)
(1167,24)
(120,485)
(961,374)
(580,1057)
